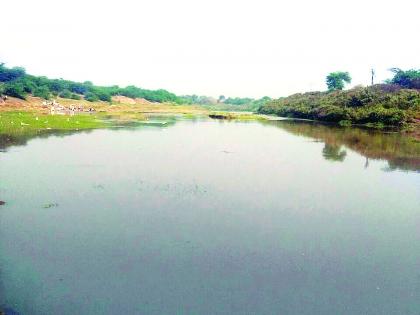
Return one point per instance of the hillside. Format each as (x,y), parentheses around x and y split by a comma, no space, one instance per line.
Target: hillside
(378,105)
(118,105)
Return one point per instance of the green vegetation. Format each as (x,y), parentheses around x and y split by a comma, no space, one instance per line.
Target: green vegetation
(409,79)
(15,89)
(226,104)
(333,153)
(30,122)
(17,83)
(377,106)
(335,80)
(7,75)
(43,92)
(254,104)
(395,103)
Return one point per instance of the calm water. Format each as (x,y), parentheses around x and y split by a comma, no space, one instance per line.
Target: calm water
(211,217)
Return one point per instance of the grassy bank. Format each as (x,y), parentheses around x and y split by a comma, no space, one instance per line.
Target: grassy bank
(20,116)
(379,105)
(29,122)
(28,116)
(20,122)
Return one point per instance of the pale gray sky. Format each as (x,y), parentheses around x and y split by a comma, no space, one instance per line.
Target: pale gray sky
(211,47)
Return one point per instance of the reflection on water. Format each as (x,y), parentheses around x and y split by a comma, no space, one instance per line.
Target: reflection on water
(333,153)
(401,151)
(21,138)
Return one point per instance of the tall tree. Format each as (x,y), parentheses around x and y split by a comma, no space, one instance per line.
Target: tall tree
(336,80)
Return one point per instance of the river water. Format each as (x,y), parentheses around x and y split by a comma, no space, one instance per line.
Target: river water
(211,217)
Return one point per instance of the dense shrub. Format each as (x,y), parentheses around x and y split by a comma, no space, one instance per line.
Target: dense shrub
(238,101)
(409,79)
(223,103)
(330,113)
(69,89)
(78,88)
(91,97)
(74,96)
(102,94)
(153,96)
(15,89)
(42,91)
(380,104)
(65,94)
(70,95)
(7,74)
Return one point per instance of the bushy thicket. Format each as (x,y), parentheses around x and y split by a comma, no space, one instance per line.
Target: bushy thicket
(256,103)
(409,79)
(17,83)
(199,100)
(382,104)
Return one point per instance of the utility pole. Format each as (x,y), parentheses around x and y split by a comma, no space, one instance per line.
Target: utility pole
(372,71)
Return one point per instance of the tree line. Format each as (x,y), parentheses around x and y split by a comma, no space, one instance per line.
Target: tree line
(16,82)
(247,102)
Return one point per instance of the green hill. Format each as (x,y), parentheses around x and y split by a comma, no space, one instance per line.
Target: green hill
(380,104)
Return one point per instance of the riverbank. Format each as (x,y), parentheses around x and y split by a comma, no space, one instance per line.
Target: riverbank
(376,106)
(31,116)
(118,105)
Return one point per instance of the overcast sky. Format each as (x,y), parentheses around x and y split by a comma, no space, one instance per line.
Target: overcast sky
(211,47)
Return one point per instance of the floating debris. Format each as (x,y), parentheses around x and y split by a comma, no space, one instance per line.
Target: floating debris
(178,189)
(219,116)
(50,205)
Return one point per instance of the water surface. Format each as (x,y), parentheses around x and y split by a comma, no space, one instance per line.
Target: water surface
(210,217)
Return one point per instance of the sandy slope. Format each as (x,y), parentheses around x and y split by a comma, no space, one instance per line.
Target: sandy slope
(119,104)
